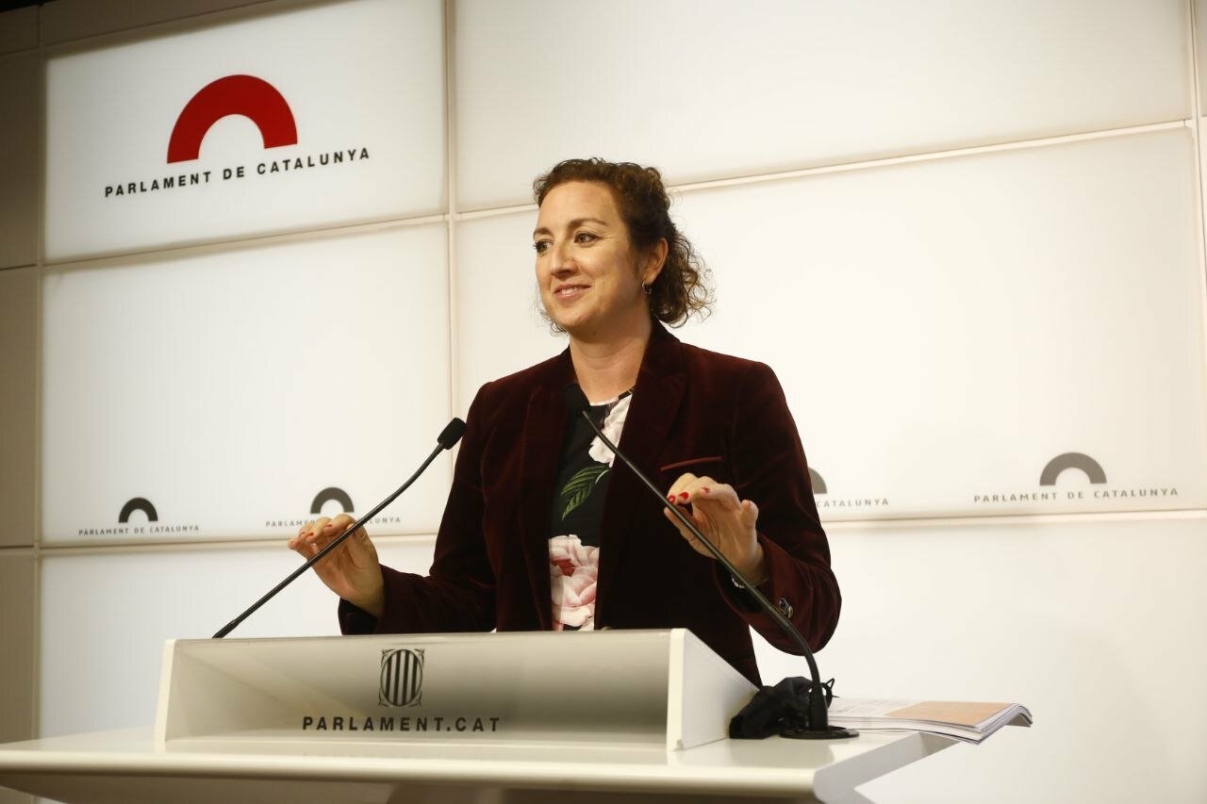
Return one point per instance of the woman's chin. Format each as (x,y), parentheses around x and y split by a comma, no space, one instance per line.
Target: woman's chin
(575,325)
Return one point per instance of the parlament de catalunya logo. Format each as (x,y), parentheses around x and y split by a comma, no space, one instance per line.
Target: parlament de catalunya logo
(1081,464)
(821,496)
(250,97)
(125,527)
(330,494)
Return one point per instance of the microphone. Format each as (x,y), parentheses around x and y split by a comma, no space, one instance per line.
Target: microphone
(818,726)
(448,437)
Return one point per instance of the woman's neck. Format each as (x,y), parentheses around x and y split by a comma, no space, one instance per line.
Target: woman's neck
(607,369)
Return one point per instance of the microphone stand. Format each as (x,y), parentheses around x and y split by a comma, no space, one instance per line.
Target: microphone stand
(449,436)
(818,727)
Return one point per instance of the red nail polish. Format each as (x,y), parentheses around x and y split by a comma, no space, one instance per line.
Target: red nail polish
(683,495)
(670,498)
(706,490)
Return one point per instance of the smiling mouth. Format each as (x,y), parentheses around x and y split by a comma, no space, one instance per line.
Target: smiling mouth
(566,291)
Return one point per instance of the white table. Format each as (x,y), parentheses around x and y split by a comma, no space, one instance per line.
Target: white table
(127,766)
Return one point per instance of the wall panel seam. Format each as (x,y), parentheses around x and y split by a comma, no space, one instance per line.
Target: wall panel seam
(450,155)
(933,156)
(453,215)
(1196,133)
(872,164)
(418,537)
(162,253)
(39,274)
(132,547)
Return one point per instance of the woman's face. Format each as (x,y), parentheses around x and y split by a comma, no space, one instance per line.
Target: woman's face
(586,267)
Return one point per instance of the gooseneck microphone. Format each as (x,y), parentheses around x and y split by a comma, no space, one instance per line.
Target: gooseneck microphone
(448,437)
(818,727)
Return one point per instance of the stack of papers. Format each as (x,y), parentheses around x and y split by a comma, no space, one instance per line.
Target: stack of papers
(970,722)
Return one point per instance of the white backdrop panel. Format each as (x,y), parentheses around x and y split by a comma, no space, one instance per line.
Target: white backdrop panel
(712,88)
(1097,625)
(1200,30)
(943,330)
(111,611)
(500,323)
(229,388)
(946,329)
(364,81)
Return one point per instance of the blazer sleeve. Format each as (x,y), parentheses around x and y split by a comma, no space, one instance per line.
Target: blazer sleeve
(458,594)
(770,469)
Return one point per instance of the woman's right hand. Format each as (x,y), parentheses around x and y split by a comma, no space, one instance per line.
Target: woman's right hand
(351,570)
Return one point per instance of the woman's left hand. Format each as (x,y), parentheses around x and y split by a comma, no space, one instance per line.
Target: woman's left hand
(727,521)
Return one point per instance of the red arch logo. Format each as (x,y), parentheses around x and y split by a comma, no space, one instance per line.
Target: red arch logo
(252,97)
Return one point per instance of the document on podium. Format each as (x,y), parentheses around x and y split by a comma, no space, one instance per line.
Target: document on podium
(968,721)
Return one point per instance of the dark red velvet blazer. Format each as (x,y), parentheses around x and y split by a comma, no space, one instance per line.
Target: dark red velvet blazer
(692,411)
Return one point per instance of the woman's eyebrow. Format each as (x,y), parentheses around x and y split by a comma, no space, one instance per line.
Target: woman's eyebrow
(540,230)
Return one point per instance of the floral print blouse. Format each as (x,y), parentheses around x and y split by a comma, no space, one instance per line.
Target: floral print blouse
(582,482)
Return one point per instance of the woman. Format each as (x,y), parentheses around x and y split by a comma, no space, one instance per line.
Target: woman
(541,531)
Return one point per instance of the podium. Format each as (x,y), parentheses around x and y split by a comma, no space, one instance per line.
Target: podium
(505,718)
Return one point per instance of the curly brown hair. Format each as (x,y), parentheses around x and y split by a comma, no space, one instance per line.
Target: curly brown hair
(681,288)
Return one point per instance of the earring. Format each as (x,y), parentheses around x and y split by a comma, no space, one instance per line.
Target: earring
(647,289)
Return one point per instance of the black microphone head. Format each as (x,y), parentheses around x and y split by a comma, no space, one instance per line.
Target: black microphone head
(451,433)
(575,399)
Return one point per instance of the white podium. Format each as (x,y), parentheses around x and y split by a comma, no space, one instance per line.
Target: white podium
(482,718)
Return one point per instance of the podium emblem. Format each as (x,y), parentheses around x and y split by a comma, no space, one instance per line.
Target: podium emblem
(401,677)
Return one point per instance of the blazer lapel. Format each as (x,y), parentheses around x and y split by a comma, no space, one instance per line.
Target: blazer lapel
(541,443)
(661,384)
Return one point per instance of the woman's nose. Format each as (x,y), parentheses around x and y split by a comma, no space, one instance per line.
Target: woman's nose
(560,260)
